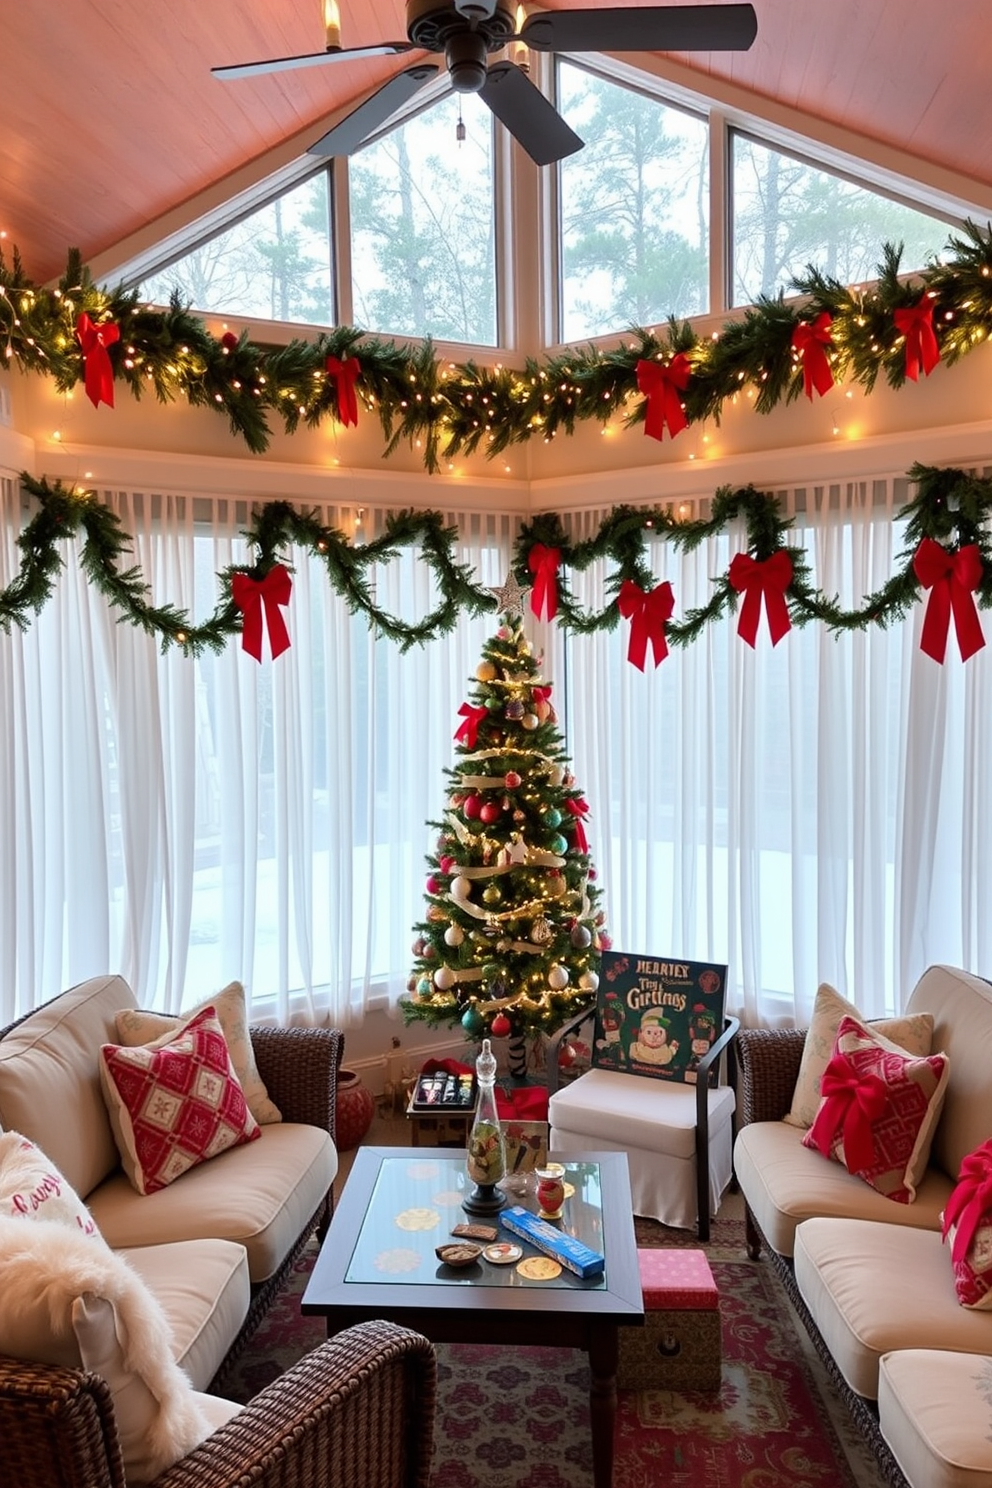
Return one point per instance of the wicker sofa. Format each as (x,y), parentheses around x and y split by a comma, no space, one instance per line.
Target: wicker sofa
(211,1248)
(357,1412)
(870,1277)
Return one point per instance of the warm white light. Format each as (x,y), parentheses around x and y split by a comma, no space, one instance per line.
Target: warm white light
(332,25)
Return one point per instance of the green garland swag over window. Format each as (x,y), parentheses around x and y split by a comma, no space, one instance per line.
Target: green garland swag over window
(951,510)
(78,332)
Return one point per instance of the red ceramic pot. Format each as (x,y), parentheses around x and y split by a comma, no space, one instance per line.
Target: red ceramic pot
(354,1111)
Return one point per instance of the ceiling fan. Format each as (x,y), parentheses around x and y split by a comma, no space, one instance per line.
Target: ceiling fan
(465,32)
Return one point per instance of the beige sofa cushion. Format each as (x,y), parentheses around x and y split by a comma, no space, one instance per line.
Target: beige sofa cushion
(786,1183)
(203,1288)
(913,1033)
(873,1288)
(50,1081)
(135,1026)
(935,1412)
(260,1195)
(961,1005)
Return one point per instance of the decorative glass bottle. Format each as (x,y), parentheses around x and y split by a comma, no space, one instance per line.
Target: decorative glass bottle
(486,1159)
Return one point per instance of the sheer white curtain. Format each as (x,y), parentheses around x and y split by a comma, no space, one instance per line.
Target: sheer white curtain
(189,822)
(817,811)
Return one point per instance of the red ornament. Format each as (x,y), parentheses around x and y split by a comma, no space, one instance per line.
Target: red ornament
(500,1026)
(490,812)
(433,885)
(229,341)
(471,807)
(511,780)
(446,865)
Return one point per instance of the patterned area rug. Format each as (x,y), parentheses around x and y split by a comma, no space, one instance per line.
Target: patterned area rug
(521,1420)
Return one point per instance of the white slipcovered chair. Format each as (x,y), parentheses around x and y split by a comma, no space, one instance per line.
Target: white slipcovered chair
(678,1137)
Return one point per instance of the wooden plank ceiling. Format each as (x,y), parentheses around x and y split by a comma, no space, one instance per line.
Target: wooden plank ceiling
(109,116)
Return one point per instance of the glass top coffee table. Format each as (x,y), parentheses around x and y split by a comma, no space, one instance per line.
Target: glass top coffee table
(378,1261)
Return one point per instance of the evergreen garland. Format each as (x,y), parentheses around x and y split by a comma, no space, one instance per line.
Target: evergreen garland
(951,508)
(446,409)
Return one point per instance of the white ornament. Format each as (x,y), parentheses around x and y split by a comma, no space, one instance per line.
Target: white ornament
(556,775)
(454,935)
(589,981)
(530,722)
(461,888)
(557,977)
(444,978)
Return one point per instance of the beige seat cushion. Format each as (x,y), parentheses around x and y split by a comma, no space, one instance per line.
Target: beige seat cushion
(962,1009)
(259,1195)
(935,1412)
(202,1286)
(785,1183)
(50,1079)
(874,1288)
(633,1111)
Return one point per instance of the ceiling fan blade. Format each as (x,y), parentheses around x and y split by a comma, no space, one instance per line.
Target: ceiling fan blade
(658,28)
(345,138)
(534,122)
(311,59)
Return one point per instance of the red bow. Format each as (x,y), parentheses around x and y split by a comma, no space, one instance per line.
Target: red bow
(579,809)
(916,324)
(851,1102)
(661,383)
(250,595)
(971,1200)
(770,578)
(951,579)
(543,563)
(345,375)
(99,374)
(541,694)
(647,613)
(469,730)
(810,340)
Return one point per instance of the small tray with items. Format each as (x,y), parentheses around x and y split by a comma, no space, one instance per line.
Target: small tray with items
(444,1093)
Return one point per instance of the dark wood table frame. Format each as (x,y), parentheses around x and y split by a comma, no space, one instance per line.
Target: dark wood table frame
(564,1318)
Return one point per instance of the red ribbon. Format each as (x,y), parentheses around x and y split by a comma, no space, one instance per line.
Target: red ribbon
(468,731)
(916,324)
(647,613)
(345,375)
(579,809)
(851,1102)
(99,374)
(811,339)
(541,694)
(971,1201)
(951,579)
(543,563)
(251,596)
(661,383)
(770,578)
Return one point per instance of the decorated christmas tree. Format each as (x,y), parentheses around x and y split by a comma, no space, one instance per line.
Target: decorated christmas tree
(511,941)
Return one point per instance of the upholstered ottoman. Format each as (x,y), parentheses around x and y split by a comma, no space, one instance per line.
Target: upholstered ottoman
(679,1346)
(935,1412)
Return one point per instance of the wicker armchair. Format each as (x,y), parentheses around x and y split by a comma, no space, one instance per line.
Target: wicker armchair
(357,1412)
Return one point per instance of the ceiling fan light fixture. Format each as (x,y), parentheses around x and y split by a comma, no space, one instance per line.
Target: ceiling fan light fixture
(466,55)
(332,25)
(475,10)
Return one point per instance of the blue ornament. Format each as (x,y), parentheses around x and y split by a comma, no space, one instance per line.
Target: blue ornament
(471,1021)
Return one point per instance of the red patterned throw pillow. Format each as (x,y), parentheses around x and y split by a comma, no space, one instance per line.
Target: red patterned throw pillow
(174,1106)
(879,1110)
(967,1224)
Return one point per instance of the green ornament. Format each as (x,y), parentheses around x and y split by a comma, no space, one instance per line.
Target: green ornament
(553,817)
(472,1021)
(558,845)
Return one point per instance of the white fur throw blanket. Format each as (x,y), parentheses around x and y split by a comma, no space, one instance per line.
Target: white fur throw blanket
(44,1268)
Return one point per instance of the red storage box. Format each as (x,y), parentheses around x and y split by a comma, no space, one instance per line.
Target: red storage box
(679,1346)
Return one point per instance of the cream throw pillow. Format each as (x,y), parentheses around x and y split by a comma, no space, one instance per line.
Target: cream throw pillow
(912,1033)
(31,1187)
(136,1028)
(65,1299)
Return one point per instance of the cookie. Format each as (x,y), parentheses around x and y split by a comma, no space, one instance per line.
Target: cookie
(539,1268)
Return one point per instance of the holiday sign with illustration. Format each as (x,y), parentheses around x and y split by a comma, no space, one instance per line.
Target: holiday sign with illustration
(657,1017)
